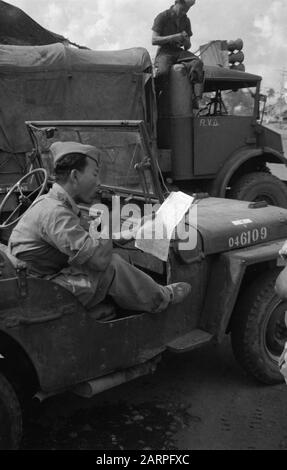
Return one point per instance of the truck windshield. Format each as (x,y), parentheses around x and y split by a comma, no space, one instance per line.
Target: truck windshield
(228,102)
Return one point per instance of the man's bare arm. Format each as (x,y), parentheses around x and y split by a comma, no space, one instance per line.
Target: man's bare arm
(158,40)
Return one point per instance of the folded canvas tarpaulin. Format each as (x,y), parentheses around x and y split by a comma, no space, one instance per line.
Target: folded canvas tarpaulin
(56,82)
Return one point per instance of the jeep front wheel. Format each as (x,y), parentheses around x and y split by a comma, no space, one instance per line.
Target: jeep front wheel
(260,186)
(10,416)
(258,330)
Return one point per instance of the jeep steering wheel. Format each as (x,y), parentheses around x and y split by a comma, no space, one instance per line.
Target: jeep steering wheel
(24,201)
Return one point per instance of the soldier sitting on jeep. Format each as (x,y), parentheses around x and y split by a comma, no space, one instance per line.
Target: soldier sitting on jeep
(172,33)
(55,246)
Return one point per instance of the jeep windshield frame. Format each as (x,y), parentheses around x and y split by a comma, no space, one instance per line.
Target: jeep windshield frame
(131,139)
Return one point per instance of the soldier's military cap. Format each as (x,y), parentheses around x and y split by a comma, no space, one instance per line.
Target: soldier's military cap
(61,149)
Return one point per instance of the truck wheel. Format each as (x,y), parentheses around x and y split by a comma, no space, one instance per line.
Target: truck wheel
(10,416)
(260,186)
(258,330)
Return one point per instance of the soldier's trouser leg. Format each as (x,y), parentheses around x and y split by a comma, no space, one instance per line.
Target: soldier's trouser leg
(194,67)
(162,64)
(130,288)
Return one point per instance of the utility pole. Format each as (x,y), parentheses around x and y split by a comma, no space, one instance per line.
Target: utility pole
(282,92)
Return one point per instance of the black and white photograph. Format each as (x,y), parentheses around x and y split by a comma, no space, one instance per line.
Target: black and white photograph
(143,228)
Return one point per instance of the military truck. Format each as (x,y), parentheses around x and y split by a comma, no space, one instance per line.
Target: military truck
(50,343)
(219,149)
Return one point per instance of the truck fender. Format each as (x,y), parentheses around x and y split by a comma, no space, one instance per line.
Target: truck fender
(236,161)
(225,283)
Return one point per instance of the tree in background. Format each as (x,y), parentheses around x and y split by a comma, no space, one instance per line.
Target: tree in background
(270,93)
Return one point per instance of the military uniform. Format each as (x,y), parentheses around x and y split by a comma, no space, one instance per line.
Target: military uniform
(51,240)
(167,24)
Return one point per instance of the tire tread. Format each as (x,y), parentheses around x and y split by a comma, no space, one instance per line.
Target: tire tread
(250,179)
(242,329)
(14,408)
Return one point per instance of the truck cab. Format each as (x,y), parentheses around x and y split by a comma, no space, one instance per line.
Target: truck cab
(222,146)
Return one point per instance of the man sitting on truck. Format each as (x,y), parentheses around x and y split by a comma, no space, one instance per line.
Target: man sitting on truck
(51,240)
(172,33)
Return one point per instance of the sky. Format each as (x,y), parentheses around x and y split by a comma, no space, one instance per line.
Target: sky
(121,24)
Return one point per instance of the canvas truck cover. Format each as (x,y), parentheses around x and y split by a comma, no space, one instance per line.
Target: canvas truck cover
(56,82)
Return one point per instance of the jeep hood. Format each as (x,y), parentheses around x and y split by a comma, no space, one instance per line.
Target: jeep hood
(226,224)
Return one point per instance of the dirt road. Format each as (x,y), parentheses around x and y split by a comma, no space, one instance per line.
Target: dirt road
(202,400)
